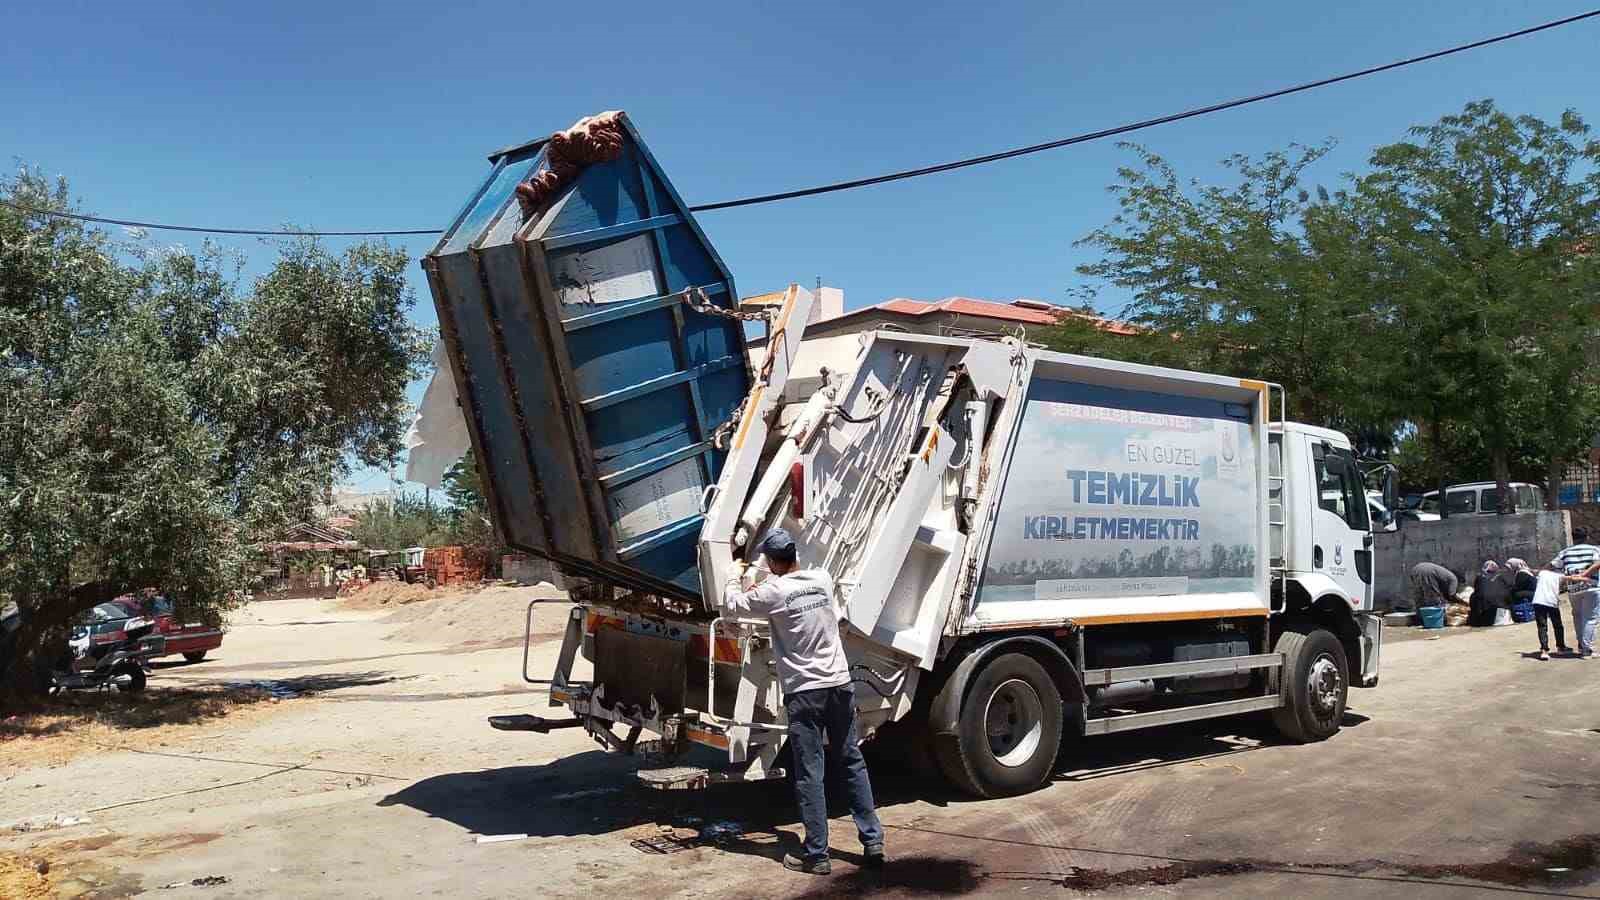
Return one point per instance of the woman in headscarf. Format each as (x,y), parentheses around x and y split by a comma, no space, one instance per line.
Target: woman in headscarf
(1524,584)
(1490,594)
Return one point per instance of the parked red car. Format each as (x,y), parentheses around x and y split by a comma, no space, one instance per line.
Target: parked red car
(192,639)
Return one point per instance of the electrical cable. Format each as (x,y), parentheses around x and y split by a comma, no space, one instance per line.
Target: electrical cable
(906,173)
(158,226)
(1135,126)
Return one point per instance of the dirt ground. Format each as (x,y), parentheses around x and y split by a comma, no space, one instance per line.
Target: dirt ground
(88,722)
(1472,771)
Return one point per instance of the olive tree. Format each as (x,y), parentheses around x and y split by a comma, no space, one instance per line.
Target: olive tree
(158,419)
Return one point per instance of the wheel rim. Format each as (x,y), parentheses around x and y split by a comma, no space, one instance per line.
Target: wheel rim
(1324,686)
(1014,721)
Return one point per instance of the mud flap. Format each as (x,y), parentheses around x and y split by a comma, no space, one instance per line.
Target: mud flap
(1371,647)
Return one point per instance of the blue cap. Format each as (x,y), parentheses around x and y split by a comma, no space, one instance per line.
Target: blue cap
(778,545)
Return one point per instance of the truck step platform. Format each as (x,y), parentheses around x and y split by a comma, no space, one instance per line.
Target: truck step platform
(537,724)
(694,778)
(675,778)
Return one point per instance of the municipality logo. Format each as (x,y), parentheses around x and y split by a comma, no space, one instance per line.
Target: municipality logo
(1338,554)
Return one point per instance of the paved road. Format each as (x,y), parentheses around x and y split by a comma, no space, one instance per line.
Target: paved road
(1473,770)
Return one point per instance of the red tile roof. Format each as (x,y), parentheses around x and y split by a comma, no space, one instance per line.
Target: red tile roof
(967,306)
(1027,312)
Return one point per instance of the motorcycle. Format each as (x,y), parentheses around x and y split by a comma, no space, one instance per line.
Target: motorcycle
(105,653)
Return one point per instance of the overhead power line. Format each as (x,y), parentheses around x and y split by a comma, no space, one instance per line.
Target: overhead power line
(1136,126)
(274,232)
(906,173)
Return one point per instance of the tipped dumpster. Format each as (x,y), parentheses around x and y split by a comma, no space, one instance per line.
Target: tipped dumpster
(591,331)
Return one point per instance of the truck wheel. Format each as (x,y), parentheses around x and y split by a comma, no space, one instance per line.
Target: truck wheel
(1316,683)
(1009,731)
(196,656)
(133,683)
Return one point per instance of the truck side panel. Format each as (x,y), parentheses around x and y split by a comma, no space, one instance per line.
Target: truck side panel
(1128,502)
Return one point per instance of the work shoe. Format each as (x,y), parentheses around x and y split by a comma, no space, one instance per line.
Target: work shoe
(873,856)
(1563,649)
(1544,654)
(819,866)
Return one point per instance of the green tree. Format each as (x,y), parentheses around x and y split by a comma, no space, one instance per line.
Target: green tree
(157,419)
(470,522)
(1485,220)
(406,520)
(1244,279)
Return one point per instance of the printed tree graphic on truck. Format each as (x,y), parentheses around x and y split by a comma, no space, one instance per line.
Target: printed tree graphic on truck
(1237,561)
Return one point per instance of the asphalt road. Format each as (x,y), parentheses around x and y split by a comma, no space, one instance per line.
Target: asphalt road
(1472,771)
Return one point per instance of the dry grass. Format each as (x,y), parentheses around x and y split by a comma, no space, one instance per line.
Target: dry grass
(20,880)
(73,724)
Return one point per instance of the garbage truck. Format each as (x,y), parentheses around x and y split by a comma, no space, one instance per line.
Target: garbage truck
(1029,547)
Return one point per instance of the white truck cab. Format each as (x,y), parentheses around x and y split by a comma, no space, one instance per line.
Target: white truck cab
(1323,549)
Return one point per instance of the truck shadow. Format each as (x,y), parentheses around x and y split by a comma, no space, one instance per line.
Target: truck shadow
(1186,743)
(594,792)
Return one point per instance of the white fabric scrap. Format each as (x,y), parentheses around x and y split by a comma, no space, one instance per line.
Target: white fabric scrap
(438,435)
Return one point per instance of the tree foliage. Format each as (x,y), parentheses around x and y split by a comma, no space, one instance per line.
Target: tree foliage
(158,418)
(405,520)
(412,520)
(1446,296)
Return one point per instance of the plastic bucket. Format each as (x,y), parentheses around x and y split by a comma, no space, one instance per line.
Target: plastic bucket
(1431,616)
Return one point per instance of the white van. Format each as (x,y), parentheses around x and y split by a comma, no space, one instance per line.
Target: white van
(1480,498)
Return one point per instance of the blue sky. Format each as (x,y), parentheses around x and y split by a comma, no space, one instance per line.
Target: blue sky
(366,115)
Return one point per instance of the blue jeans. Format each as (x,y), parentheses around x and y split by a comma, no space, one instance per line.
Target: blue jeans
(1585,616)
(830,711)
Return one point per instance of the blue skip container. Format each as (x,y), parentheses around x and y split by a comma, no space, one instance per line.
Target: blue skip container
(1431,616)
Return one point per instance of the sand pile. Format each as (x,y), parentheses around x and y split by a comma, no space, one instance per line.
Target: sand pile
(380,594)
(491,616)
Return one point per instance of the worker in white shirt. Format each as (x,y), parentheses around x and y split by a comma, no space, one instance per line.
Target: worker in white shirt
(818,696)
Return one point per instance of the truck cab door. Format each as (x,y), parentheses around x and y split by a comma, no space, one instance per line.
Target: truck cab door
(1341,532)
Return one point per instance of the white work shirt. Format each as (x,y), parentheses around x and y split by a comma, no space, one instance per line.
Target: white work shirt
(804,611)
(1548,593)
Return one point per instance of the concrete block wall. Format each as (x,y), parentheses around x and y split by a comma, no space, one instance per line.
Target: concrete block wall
(529,569)
(1461,544)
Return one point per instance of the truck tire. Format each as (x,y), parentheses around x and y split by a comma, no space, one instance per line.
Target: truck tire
(1009,731)
(1316,684)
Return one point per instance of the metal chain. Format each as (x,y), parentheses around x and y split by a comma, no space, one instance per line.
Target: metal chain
(719,435)
(696,299)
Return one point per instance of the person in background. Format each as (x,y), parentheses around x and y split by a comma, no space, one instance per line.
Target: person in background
(1581,559)
(1547,609)
(1524,584)
(1491,592)
(1580,555)
(818,695)
(1432,585)
(1586,611)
